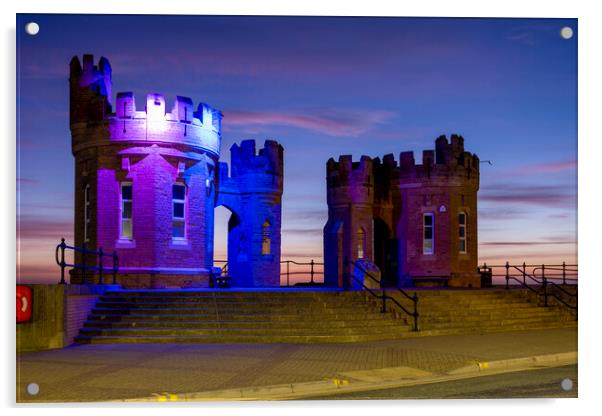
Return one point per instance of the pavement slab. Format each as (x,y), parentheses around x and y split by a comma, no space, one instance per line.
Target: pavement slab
(105,372)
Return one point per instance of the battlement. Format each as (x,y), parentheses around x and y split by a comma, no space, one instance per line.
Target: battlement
(246,160)
(447,160)
(155,110)
(251,170)
(91,111)
(96,77)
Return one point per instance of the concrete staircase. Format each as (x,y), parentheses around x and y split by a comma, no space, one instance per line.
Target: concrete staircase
(231,316)
(304,316)
(456,311)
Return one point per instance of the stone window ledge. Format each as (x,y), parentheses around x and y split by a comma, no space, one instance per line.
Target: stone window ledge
(125,243)
(180,244)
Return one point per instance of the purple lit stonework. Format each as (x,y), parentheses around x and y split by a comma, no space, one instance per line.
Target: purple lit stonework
(147,182)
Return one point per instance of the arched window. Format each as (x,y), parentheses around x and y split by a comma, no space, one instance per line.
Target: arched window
(266,239)
(462,232)
(361,243)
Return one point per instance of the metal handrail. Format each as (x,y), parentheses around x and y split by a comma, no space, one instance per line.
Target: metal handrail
(384,297)
(543,282)
(100,268)
(312,272)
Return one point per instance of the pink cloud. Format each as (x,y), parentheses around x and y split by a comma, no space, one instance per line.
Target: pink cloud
(329,122)
(35,228)
(548,167)
(548,195)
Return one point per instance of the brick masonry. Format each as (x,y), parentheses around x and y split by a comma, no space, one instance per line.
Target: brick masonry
(152,150)
(388,203)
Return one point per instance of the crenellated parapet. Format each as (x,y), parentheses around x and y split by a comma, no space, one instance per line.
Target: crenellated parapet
(94,121)
(350,181)
(252,170)
(448,163)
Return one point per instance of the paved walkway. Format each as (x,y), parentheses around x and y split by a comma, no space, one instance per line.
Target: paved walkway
(125,371)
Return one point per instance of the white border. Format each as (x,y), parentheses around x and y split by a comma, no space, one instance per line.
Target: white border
(590,68)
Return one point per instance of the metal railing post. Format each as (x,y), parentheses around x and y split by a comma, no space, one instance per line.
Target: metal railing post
(524,274)
(83,262)
(114,267)
(62,264)
(312,271)
(545,292)
(100,265)
(288,283)
(415,299)
(564,273)
(346,273)
(507,274)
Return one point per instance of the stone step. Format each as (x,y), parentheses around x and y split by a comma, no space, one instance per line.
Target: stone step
(230,299)
(304,316)
(387,321)
(325,311)
(490,329)
(192,332)
(524,309)
(231,305)
(487,322)
(237,339)
(238,316)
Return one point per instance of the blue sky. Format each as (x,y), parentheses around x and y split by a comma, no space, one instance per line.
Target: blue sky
(324,87)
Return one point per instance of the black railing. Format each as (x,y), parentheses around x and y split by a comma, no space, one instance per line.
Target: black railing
(84,267)
(544,280)
(384,297)
(311,271)
(224,267)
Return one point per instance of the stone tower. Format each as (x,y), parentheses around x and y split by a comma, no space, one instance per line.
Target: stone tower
(253,193)
(145,180)
(413,221)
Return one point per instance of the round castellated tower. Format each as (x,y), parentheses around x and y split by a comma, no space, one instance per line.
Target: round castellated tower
(144,180)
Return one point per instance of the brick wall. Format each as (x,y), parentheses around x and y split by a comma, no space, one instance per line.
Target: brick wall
(369,192)
(78,307)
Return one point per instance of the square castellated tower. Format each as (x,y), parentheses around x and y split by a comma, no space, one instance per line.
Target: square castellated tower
(417,223)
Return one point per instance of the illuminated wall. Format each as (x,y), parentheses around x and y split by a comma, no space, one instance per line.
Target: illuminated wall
(145,185)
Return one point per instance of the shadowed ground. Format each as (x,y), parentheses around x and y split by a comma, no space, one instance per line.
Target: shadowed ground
(111,372)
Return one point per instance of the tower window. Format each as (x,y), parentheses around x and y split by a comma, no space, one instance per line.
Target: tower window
(462,231)
(178,211)
(428,221)
(361,243)
(266,239)
(87,212)
(126,211)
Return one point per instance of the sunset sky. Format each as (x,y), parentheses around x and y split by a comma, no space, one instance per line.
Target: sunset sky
(323,87)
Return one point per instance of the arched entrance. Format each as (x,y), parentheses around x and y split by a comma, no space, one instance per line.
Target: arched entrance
(227,236)
(385,252)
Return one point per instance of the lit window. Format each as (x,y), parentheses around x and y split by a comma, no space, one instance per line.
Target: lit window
(87,213)
(126,211)
(179,211)
(266,239)
(462,231)
(428,234)
(361,243)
